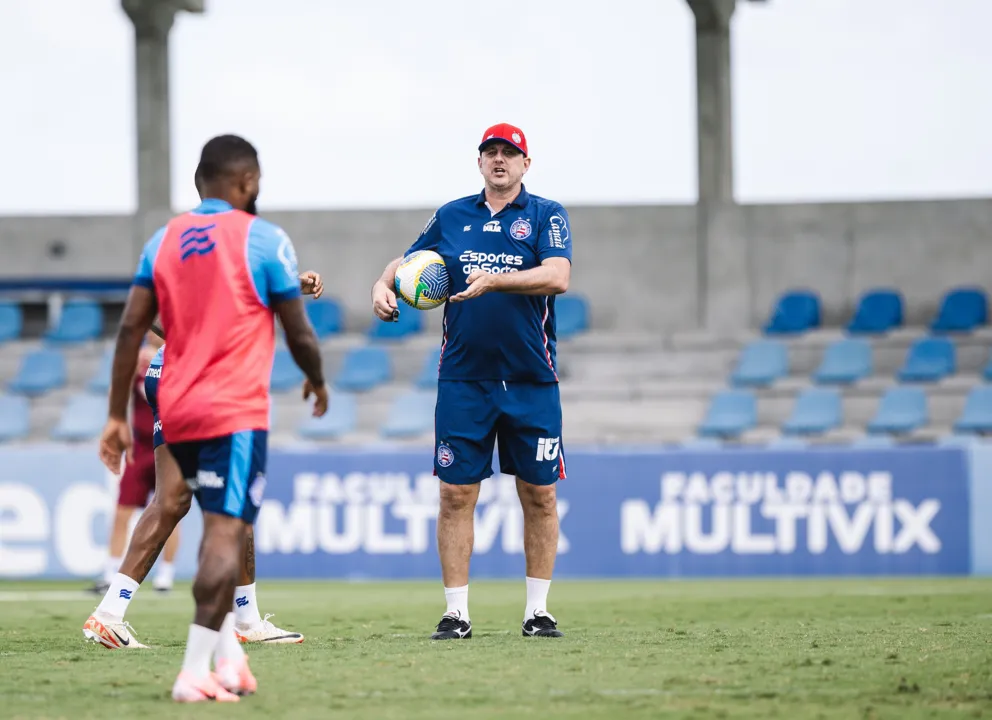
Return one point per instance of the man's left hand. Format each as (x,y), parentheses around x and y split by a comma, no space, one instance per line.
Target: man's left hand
(311,284)
(479,283)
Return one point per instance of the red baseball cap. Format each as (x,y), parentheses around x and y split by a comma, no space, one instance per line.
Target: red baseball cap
(504,132)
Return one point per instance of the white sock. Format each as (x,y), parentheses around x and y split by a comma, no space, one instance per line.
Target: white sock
(111,568)
(165,574)
(228,645)
(200,646)
(457,601)
(119,596)
(537,596)
(245,606)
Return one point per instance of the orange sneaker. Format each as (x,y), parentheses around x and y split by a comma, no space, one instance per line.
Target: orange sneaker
(190,689)
(113,633)
(235,676)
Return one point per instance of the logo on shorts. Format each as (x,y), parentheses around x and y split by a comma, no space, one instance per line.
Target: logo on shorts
(209,479)
(520,229)
(445,456)
(547,448)
(257,489)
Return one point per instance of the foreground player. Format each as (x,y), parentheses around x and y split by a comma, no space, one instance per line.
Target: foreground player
(137,483)
(169,506)
(497,378)
(217,276)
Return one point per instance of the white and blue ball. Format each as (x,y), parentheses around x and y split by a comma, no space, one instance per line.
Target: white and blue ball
(422,280)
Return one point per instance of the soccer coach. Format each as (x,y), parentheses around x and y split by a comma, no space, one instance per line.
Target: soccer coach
(508,254)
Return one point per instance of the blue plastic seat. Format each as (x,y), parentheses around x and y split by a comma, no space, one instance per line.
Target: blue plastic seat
(816,411)
(81,320)
(762,362)
(878,311)
(15,418)
(82,418)
(11,321)
(285,374)
(977,414)
(340,419)
(928,360)
(427,378)
(41,371)
(902,410)
(410,322)
(730,413)
(363,369)
(100,382)
(795,312)
(571,315)
(962,310)
(325,316)
(844,362)
(412,414)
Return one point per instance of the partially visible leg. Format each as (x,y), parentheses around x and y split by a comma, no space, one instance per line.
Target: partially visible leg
(166,573)
(455,538)
(250,626)
(540,507)
(118,541)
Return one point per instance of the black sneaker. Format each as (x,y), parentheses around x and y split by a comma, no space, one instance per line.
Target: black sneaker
(99,587)
(452,627)
(542,625)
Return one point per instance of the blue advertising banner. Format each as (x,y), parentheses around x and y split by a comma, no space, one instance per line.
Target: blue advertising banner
(366,515)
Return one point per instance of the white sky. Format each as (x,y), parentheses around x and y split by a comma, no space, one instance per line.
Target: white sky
(381,103)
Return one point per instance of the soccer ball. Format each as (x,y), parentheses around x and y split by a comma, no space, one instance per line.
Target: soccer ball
(422,280)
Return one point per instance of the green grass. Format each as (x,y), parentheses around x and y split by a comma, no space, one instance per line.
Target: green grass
(788,649)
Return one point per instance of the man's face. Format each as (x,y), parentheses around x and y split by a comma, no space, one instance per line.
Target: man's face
(251,189)
(502,165)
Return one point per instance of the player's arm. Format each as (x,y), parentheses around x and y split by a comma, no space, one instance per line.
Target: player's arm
(383,294)
(300,339)
(139,312)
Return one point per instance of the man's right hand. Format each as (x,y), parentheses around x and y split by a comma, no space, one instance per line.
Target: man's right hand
(383,301)
(321,398)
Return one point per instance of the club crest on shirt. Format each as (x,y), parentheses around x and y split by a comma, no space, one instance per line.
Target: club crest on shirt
(520,229)
(445,456)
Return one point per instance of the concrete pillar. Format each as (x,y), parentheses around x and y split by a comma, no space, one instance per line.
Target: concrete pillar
(152,23)
(723,300)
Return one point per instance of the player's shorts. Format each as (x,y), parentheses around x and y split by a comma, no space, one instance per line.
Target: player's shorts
(523,418)
(138,481)
(226,474)
(152,377)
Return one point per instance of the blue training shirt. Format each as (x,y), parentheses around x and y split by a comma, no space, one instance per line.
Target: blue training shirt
(498,336)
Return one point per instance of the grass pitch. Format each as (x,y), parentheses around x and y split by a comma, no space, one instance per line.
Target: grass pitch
(780,648)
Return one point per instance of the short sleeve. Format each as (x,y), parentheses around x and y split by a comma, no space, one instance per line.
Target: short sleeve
(272,258)
(555,237)
(429,238)
(144,275)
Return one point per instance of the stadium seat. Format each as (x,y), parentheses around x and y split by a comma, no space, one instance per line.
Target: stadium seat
(427,378)
(844,362)
(40,372)
(901,410)
(412,414)
(795,312)
(340,419)
(363,369)
(325,316)
(572,315)
(730,413)
(878,311)
(82,418)
(761,362)
(961,310)
(11,321)
(100,382)
(816,411)
(928,360)
(285,374)
(15,417)
(410,322)
(81,320)
(977,414)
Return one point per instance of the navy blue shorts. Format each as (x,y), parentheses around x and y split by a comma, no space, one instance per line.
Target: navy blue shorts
(152,377)
(226,474)
(524,419)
